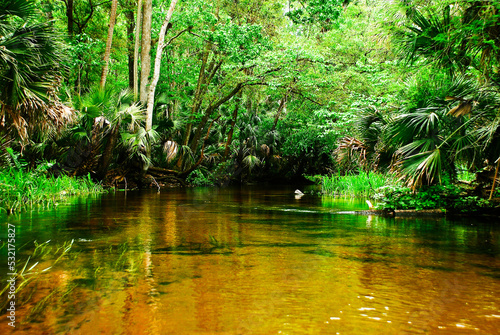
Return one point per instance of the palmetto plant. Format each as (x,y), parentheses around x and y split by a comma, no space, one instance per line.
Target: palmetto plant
(30,54)
(461,36)
(432,36)
(459,122)
(110,122)
(433,139)
(444,123)
(372,149)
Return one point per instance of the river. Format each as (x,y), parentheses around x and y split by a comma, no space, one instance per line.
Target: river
(251,261)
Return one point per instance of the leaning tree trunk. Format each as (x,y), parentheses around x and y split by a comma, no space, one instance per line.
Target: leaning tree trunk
(201,87)
(156,75)
(204,78)
(109,41)
(208,112)
(278,112)
(494,179)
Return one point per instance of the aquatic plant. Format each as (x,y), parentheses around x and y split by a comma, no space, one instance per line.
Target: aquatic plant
(44,253)
(362,184)
(21,190)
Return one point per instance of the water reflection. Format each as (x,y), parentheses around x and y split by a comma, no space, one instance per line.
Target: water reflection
(254,261)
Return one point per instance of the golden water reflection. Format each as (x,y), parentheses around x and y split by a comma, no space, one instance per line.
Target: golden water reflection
(262,262)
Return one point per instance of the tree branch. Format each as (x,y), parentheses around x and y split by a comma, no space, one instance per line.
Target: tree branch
(305,97)
(184,174)
(179,34)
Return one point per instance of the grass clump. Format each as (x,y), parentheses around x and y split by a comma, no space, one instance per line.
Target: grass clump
(364,184)
(21,190)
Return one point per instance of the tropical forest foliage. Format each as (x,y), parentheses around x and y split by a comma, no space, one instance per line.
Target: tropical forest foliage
(213,92)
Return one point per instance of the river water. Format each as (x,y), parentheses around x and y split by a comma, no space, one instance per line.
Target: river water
(251,261)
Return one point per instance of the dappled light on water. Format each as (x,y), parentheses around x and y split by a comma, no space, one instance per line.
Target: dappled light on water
(255,261)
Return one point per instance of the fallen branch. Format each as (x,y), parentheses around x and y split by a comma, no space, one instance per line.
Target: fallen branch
(162,170)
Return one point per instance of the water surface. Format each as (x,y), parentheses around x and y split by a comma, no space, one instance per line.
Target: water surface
(255,261)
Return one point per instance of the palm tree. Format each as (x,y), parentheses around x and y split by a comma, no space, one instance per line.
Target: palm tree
(30,72)
(110,123)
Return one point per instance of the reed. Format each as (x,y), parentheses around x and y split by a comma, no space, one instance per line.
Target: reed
(21,190)
(361,185)
(30,271)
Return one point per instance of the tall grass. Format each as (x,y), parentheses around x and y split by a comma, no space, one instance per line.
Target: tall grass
(362,184)
(21,190)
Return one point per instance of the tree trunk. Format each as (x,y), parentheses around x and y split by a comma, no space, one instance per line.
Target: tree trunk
(130,47)
(198,96)
(107,154)
(145,50)
(156,74)
(208,112)
(136,47)
(204,78)
(233,123)
(109,41)
(278,112)
(69,15)
(494,180)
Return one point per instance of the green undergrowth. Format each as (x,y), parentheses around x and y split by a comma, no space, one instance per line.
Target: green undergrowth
(448,197)
(364,184)
(21,190)
(388,194)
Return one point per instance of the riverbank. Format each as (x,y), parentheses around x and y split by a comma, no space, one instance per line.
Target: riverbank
(490,212)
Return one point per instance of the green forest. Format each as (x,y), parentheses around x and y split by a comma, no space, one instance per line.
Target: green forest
(401,96)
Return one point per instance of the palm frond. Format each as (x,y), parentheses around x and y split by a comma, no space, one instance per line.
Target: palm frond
(424,122)
(20,8)
(251,162)
(187,157)
(415,147)
(430,36)
(170,149)
(421,169)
